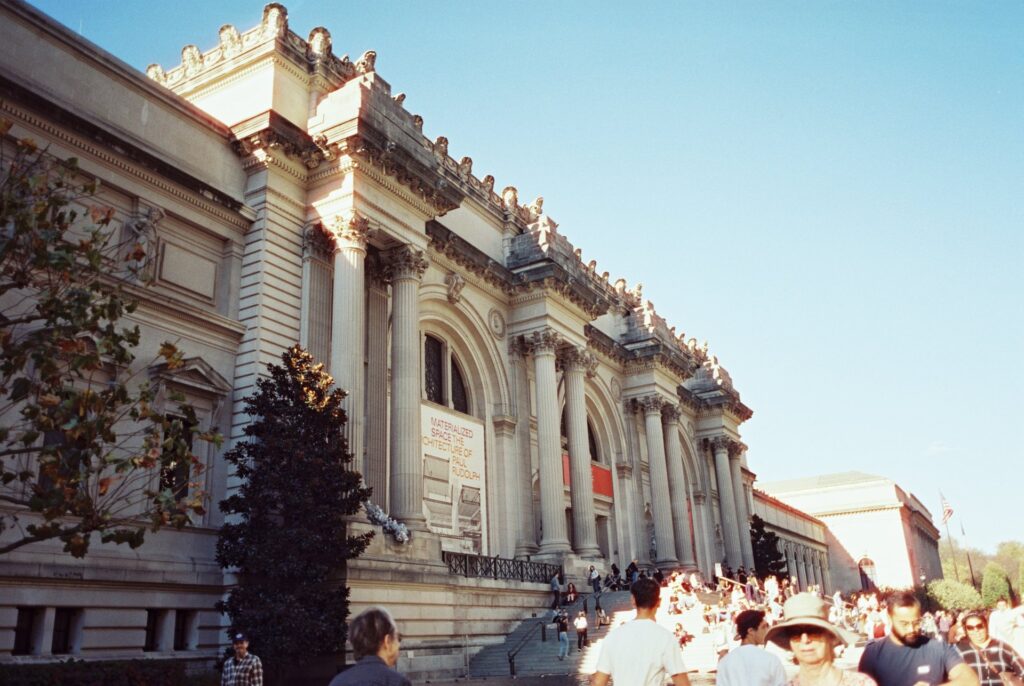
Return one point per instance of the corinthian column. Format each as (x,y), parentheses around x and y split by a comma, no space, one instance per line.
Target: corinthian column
(348,324)
(663,531)
(581,489)
(554,539)
(406,267)
(726,501)
(677,486)
(735,471)
(526,540)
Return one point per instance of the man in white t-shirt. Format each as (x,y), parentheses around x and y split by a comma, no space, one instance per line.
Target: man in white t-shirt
(641,652)
(750,664)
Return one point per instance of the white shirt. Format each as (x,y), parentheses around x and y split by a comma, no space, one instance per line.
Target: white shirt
(640,653)
(750,665)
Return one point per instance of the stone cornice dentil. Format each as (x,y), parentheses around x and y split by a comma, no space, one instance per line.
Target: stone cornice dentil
(405,262)
(468,256)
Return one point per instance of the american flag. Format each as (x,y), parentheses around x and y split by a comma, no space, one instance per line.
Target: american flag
(947,509)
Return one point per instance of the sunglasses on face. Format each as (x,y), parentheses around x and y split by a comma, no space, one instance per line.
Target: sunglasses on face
(813,634)
(974,627)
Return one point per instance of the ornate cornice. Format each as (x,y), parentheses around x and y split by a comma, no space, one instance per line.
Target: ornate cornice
(269,131)
(469,257)
(405,262)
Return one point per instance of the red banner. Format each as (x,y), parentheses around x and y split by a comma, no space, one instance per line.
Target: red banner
(601,476)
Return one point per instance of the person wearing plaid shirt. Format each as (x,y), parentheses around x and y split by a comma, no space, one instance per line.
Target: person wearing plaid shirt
(986,655)
(244,669)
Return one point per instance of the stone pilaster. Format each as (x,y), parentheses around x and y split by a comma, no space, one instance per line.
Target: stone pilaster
(375,471)
(576,364)
(348,324)
(742,514)
(554,538)
(641,544)
(406,266)
(526,539)
(663,530)
(677,487)
(705,542)
(727,501)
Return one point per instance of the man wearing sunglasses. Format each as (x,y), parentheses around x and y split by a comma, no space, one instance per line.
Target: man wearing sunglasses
(987,656)
(906,657)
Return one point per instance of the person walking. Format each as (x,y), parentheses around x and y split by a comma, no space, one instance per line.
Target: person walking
(594,577)
(906,656)
(375,642)
(807,633)
(641,652)
(749,664)
(562,627)
(556,592)
(243,668)
(987,656)
(580,623)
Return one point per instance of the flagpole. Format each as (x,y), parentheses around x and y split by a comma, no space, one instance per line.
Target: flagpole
(967,551)
(947,512)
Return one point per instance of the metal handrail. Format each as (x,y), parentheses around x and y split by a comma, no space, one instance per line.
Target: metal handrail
(522,643)
(499,567)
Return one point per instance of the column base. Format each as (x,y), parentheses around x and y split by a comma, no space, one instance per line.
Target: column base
(554,548)
(590,553)
(524,549)
(668,565)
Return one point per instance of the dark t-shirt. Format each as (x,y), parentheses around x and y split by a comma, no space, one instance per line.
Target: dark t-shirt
(894,664)
(562,624)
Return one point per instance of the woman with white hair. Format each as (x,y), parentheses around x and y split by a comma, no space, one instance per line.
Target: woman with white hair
(806,632)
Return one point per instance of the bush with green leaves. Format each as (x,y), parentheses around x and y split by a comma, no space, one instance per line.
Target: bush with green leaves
(994,584)
(950,594)
(82,445)
(768,558)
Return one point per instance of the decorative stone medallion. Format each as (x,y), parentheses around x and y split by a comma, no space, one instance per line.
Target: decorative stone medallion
(616,389)
(497,323)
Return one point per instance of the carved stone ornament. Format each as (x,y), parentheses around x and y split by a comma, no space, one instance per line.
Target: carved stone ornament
(496,322)
(275,21)
(510,196)
(441,147)
(488,183)
(406,263)
(230,41)
(399,99)
(536,208)
(156,72)
(455,284)
(669,414)
(518,347)
(417,122)
(546,341)
(353,229)
(319,44)
(616,389)
(317,239)
(650,404)
(191,60)
(578,359)
(465,167)
(367,63)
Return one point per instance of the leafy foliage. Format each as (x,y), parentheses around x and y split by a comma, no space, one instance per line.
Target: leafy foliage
(994,584)
(81,450)
(287,534)
(768,558)
(950,594)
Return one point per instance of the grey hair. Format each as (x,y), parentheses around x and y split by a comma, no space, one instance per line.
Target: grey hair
(369,629)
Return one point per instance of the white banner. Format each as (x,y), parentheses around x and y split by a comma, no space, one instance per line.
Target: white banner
(454,481)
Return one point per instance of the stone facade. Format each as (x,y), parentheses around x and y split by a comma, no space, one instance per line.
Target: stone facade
(506,397)
(803,540)
(879,534)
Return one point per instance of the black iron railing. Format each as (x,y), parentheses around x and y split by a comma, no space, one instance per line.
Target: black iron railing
(499,567)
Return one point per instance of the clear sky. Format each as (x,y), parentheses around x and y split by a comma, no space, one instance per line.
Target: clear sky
(830,193)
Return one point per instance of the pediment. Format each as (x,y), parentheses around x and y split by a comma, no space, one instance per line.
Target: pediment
(194,375)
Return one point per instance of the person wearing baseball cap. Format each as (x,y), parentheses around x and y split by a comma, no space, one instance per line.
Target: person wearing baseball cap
(244,668)
(806,632)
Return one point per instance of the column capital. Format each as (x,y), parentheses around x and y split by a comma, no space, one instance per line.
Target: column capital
(406,262)
(731,445)
(650,404)
(575,359)
(317,240)
(670,413)
(544,341)
(518,347)
(351,230)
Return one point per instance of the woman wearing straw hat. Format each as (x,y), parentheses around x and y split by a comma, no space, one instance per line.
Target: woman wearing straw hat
(806,632)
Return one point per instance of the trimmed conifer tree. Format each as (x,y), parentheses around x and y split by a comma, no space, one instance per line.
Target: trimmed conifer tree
(768,559)
(286,536)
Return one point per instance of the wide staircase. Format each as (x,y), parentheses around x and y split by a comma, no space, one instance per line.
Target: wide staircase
(532,647)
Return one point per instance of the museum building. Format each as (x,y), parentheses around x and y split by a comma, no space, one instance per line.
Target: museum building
(509,402)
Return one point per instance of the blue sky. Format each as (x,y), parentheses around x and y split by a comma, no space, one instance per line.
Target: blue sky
(829,193)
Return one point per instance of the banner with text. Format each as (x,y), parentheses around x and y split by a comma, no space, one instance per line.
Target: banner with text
(454,481)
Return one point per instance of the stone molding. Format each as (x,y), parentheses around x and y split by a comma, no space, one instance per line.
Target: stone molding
(455,284)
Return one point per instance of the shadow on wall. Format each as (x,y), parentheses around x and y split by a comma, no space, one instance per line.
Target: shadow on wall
(842,565)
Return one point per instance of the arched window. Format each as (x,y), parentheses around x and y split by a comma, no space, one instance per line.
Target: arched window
(443,380)
(595,456)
